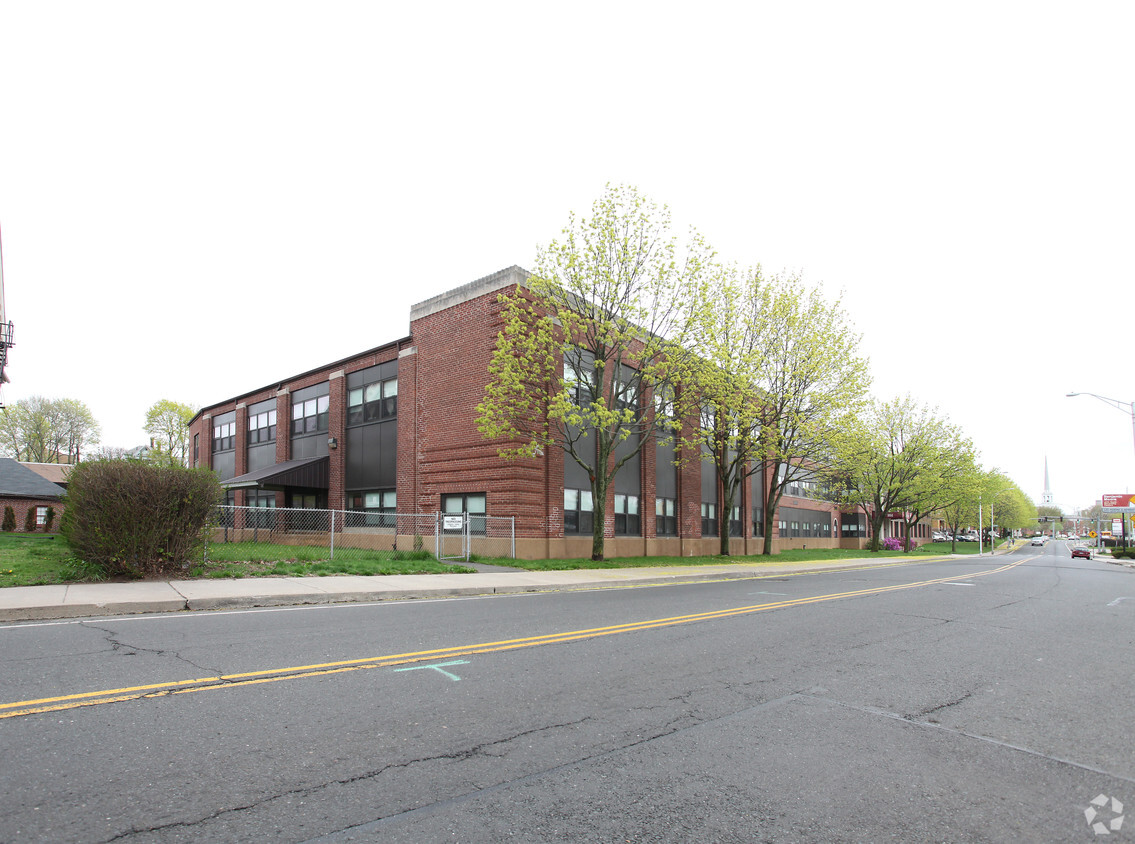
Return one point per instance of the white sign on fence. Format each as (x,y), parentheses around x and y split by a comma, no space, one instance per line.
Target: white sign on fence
(453,522)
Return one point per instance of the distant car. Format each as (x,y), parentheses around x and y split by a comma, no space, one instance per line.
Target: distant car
(1081,551)
(1037,540)
(938,536)
(1073,536)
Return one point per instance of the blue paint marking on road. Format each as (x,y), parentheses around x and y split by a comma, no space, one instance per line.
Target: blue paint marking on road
(438,667)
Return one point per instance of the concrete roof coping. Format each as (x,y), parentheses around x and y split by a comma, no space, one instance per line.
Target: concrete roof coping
(472,290)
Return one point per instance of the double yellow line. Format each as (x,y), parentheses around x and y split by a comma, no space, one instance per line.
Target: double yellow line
(229,681)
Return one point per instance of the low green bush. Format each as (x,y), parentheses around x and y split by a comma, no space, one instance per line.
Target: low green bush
(138,519)
(9,519)
(29,520)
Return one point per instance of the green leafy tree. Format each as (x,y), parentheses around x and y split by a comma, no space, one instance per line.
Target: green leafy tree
(1053,515)
(812,384)
(961,511)
(1004,504)
(899,456)
(42,430)
(9,519)
(595,332)
(718,393)
(167,423)
(29,520)
(945,466)
(777,373)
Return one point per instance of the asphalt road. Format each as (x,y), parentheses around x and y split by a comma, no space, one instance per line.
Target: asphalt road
(984,699)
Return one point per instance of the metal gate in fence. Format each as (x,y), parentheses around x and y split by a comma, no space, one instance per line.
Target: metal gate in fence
(448,537)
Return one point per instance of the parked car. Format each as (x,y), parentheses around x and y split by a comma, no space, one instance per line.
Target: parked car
(938,536)
(1081,551)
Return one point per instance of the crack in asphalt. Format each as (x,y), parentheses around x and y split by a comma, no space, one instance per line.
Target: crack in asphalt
(459,755)
(933,725)
(118,646)
(922,713)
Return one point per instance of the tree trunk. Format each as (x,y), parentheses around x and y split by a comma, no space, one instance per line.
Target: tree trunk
(598,517)
(769,519)
(723,523)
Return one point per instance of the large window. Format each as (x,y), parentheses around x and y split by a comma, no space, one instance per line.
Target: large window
(473,503)
(224,436)
(665,517)
(735,528)
(311,416)
(578,384)
(377,508)
(628,522)
(708,519)
(262,427)
(262,509)
(579,515)
(372,402)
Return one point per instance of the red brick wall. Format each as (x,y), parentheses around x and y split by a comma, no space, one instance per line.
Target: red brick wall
(446,452)
(21,506)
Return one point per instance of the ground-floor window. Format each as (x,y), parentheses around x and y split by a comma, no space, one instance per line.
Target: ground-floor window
(735,522)
(375,508)
(628,522)
(40,516)
(665,520)
(472,503)
(758,521)
(708,519)
(579,516)
(262,512)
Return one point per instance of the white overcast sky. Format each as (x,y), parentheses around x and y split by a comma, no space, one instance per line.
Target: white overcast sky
(199,199)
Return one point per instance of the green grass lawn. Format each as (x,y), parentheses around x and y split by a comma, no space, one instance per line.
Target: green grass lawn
(37,559)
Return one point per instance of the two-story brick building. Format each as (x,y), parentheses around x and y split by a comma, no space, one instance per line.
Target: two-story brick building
(393,430)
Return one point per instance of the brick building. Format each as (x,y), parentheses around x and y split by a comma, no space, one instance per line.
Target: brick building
(393,430)
(27,491)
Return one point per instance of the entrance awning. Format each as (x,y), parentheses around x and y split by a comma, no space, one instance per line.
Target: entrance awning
(308,473)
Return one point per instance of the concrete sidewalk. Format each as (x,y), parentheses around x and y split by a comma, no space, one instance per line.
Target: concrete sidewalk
(81,600)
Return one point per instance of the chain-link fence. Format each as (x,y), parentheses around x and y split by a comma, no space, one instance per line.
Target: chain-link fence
(446,536)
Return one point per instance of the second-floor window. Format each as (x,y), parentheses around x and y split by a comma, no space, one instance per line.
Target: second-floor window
(311,416)
(262,427)
(224,436)
(372,402)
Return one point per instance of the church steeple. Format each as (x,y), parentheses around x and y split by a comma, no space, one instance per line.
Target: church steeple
(1046,498)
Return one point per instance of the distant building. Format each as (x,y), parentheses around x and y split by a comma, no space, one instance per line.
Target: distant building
(23,489)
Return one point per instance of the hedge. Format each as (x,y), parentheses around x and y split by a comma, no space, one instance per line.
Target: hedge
(138,519)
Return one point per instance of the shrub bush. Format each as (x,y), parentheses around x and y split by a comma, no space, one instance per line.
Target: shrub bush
(138,519)
(9,519)
(29,520)
(893,543)
(50,520)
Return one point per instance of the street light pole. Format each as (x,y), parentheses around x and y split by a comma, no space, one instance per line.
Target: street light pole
(1117,404)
